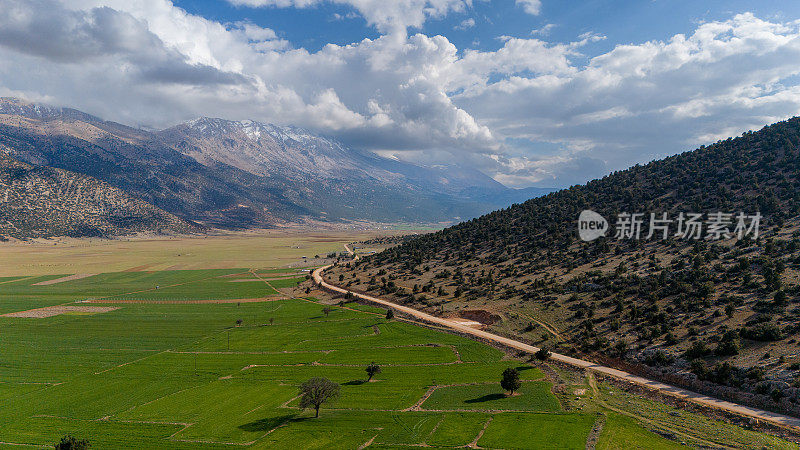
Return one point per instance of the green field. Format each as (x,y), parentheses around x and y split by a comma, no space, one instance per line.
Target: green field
(624,432)
(533,396)
(168,285)
(187,375)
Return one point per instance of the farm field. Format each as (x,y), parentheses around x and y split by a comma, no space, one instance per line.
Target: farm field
(189,365)
(262,249)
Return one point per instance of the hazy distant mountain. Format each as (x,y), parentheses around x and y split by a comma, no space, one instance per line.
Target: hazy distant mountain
(244,173)
(273,151)
(38,201)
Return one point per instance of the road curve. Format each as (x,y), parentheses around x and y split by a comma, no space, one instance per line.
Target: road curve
(674,391)
(351,252)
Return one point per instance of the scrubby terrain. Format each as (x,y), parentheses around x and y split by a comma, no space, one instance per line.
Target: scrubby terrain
(44,201)
(720,316)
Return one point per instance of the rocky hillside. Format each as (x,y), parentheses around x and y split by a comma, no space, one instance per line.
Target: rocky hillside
(273,151)
(40,201)
(718,315)
(246,174)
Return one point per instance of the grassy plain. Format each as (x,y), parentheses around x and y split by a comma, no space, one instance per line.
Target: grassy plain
(166,370)
(532,396)
(262,249)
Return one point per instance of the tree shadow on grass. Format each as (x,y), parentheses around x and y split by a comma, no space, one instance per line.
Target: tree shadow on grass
(270,423)
(354,383)
(521,368)
(486,398)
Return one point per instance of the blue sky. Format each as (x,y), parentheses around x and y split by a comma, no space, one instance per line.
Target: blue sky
(621,21)
(532,92)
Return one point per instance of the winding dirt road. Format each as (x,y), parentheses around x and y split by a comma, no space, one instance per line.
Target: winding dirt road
(775,418)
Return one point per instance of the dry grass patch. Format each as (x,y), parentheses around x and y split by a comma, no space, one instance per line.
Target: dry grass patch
(50,311)
(76,276)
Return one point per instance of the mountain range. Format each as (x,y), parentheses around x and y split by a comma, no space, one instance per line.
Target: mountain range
(242,174)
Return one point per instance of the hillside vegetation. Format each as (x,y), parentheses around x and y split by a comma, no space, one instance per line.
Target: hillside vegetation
(44,201)
(719,316)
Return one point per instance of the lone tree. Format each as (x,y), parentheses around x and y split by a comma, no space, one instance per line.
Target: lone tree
(780,298)
(317,391)
(389,314)
(542,354)
(372,370)
(510,381)
(69,442)
(327,311)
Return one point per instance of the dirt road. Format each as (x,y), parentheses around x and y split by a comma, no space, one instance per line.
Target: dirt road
(351,252)
(684,394)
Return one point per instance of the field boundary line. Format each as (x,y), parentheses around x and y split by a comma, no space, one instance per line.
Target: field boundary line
(418,405)
(482,411)
(286,403)
(23,445)
(430,435)
(155,289)
(14,281)
(392,365)
(341,307)
(65,278)
(281,294)
(368,443)
(289,352)
(594,433)
(285,422)
(474,443)
(130,362)
(201,441)
(159,398)
(152,422)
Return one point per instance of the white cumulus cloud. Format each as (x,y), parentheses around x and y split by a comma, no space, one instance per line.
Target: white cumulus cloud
(531,111)
(388,16)
(532,7)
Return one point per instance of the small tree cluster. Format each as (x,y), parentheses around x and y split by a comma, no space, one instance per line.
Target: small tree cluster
(70,442)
